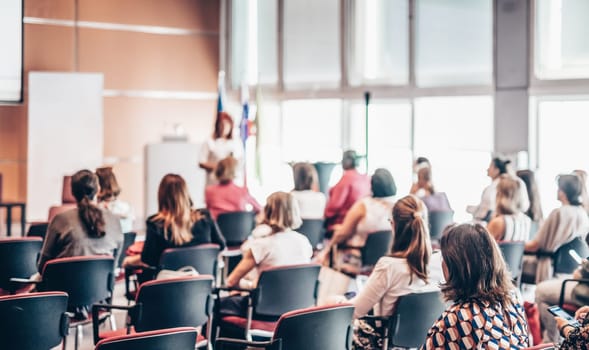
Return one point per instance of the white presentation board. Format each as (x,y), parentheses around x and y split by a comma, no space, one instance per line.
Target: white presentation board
(173,157)
(65,134)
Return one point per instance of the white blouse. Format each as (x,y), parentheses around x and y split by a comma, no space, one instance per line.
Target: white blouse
(215,150)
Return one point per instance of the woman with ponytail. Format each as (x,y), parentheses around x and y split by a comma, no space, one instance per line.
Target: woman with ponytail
(405,270)
(86,230)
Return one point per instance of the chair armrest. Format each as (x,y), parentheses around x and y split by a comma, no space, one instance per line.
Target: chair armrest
(544,254)
(272,344)
(229,253)
(562,288)
(16,283)
(216,290)
(134,312)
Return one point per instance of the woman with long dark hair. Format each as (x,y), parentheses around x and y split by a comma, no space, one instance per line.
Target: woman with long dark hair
(85,230)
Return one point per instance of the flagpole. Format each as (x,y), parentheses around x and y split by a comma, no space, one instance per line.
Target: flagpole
(366,102)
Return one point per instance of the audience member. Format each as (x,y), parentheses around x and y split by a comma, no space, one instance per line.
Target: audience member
(424,185)
(509,223)
(85,230)
(486,312)
(582,174)
(575,338)
(175,225)
(535,209)
(226,196)
(367,215)
(306,191)
(548,294)
(402,272)
(350,188)
(562,225)
(220,146)
(282,246)
(108,198)
(484,211)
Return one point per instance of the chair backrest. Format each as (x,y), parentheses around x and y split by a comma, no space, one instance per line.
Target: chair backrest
(236,226)
(182,338)
(128,240)
(86,279)
(564,262)
(202,257)
(38,229)
(316,328)
(377,245)
(174,302)
(313,230)
(438,220)
(67,197)
(513,254)
(286,288)
(413,317)
(18,258)
(33,321)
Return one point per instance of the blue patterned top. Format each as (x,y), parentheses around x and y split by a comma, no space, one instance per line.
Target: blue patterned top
(480,325)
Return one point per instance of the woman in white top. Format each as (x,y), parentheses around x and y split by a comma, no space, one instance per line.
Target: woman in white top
(280,246)
(562,225)
(219,147)
(311,201)
(404,271)
(108,198)
(509,222)
(484,211)
(368,215)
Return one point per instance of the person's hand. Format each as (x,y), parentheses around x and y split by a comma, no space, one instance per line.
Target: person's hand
(582,312)
(560,323)
(321,257)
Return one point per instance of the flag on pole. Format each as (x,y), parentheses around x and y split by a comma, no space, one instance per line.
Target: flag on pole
(244,126)
(221,92)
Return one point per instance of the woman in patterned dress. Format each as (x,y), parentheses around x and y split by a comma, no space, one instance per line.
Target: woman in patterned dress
(485,312)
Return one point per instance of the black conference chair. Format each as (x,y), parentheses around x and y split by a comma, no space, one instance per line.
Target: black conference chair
(413,317)
(438,220)
(182,338)
(313,230)
(315,328)
(38,229)
(236,226)
(377,245)
(167,303)
(280,290)
(18,259)
(33,321)
(86,279)
(513,254)
(128,240)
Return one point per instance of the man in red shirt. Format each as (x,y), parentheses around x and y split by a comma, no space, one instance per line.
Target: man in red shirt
(351,187)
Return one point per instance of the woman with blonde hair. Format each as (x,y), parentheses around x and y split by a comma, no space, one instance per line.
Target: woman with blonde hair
(175,225)
(509,222)
(485,312)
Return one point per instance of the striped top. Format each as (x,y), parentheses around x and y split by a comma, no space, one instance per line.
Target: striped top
(479,325)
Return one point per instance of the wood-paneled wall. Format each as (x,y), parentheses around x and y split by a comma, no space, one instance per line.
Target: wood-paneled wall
(141,46)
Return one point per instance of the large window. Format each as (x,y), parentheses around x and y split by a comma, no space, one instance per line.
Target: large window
(379,42)
(312,43)
(562,144)
(389,139)
(562,48)
(456,134)
(254,45)
(454,42)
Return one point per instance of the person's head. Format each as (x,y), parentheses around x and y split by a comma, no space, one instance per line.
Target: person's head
(383,184)
(349,160)
(582,174)
(421,162)
(569,189)
(305,177)
(424,179)
(508,199)
(175,208)
(411,234)
(473,266)
(497,167)
(109,187)
(535,209)
(281,212)
(225,170)
(84,189)
(223,126)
